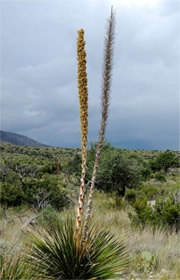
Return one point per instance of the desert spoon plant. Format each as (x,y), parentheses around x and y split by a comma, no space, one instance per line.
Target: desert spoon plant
(81,250)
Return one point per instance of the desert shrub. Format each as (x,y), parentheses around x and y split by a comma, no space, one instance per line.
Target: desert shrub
(10,177)
(142,214)
(146,170)
(36,192)
(48,168)
(48,218)
(162,213)
(74,165)
(149,192)
(11,194)
(160,176)
(169,212)
(131,195)
(21,167)
(47,190)
(164,161)
(118,169)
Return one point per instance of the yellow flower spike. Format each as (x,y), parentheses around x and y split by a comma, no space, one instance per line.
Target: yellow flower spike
(83,100)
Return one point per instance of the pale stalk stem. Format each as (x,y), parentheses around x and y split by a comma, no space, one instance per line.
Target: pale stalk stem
(105,104)
(81,196)
(93,180)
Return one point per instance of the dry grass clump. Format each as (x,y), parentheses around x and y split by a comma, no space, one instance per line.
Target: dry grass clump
(105,208)
(161,243)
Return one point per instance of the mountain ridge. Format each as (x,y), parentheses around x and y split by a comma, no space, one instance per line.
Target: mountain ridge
(18,139)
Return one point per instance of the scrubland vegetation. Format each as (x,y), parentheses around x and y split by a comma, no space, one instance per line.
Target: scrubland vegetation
(128,228)
(144,211)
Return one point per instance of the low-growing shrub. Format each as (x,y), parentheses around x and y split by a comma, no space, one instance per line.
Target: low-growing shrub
(131,195)
(11,194)
(160,176)
(48,218)
(149,192)
(74,165)
(164,212)
(36,192)
(49,168)
(164,161)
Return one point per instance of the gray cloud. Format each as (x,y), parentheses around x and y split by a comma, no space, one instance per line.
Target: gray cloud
(39,91)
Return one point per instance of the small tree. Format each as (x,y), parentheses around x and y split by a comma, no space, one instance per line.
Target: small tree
(118,169)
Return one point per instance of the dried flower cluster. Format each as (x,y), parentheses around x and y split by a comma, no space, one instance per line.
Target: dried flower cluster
(83,100)
(83,97)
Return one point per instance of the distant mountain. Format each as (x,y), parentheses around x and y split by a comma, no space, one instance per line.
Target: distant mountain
(17,139)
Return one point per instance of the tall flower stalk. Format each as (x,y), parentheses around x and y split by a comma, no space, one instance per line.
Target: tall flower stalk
(60,253)
(107,73)
(83,100)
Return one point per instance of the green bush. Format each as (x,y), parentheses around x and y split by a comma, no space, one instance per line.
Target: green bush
(118,169)
(143,215)
(74,165)
(11,194)
(169,212)
(164,161)
(36,192)
(160,176)
(48,218)
(165,212)
(47,190)
(131,195)
(49,168)
(149,192)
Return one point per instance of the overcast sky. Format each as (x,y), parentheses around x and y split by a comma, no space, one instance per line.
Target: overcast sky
(39,70)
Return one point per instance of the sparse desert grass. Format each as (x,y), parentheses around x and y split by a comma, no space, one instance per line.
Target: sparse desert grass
(161,243)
